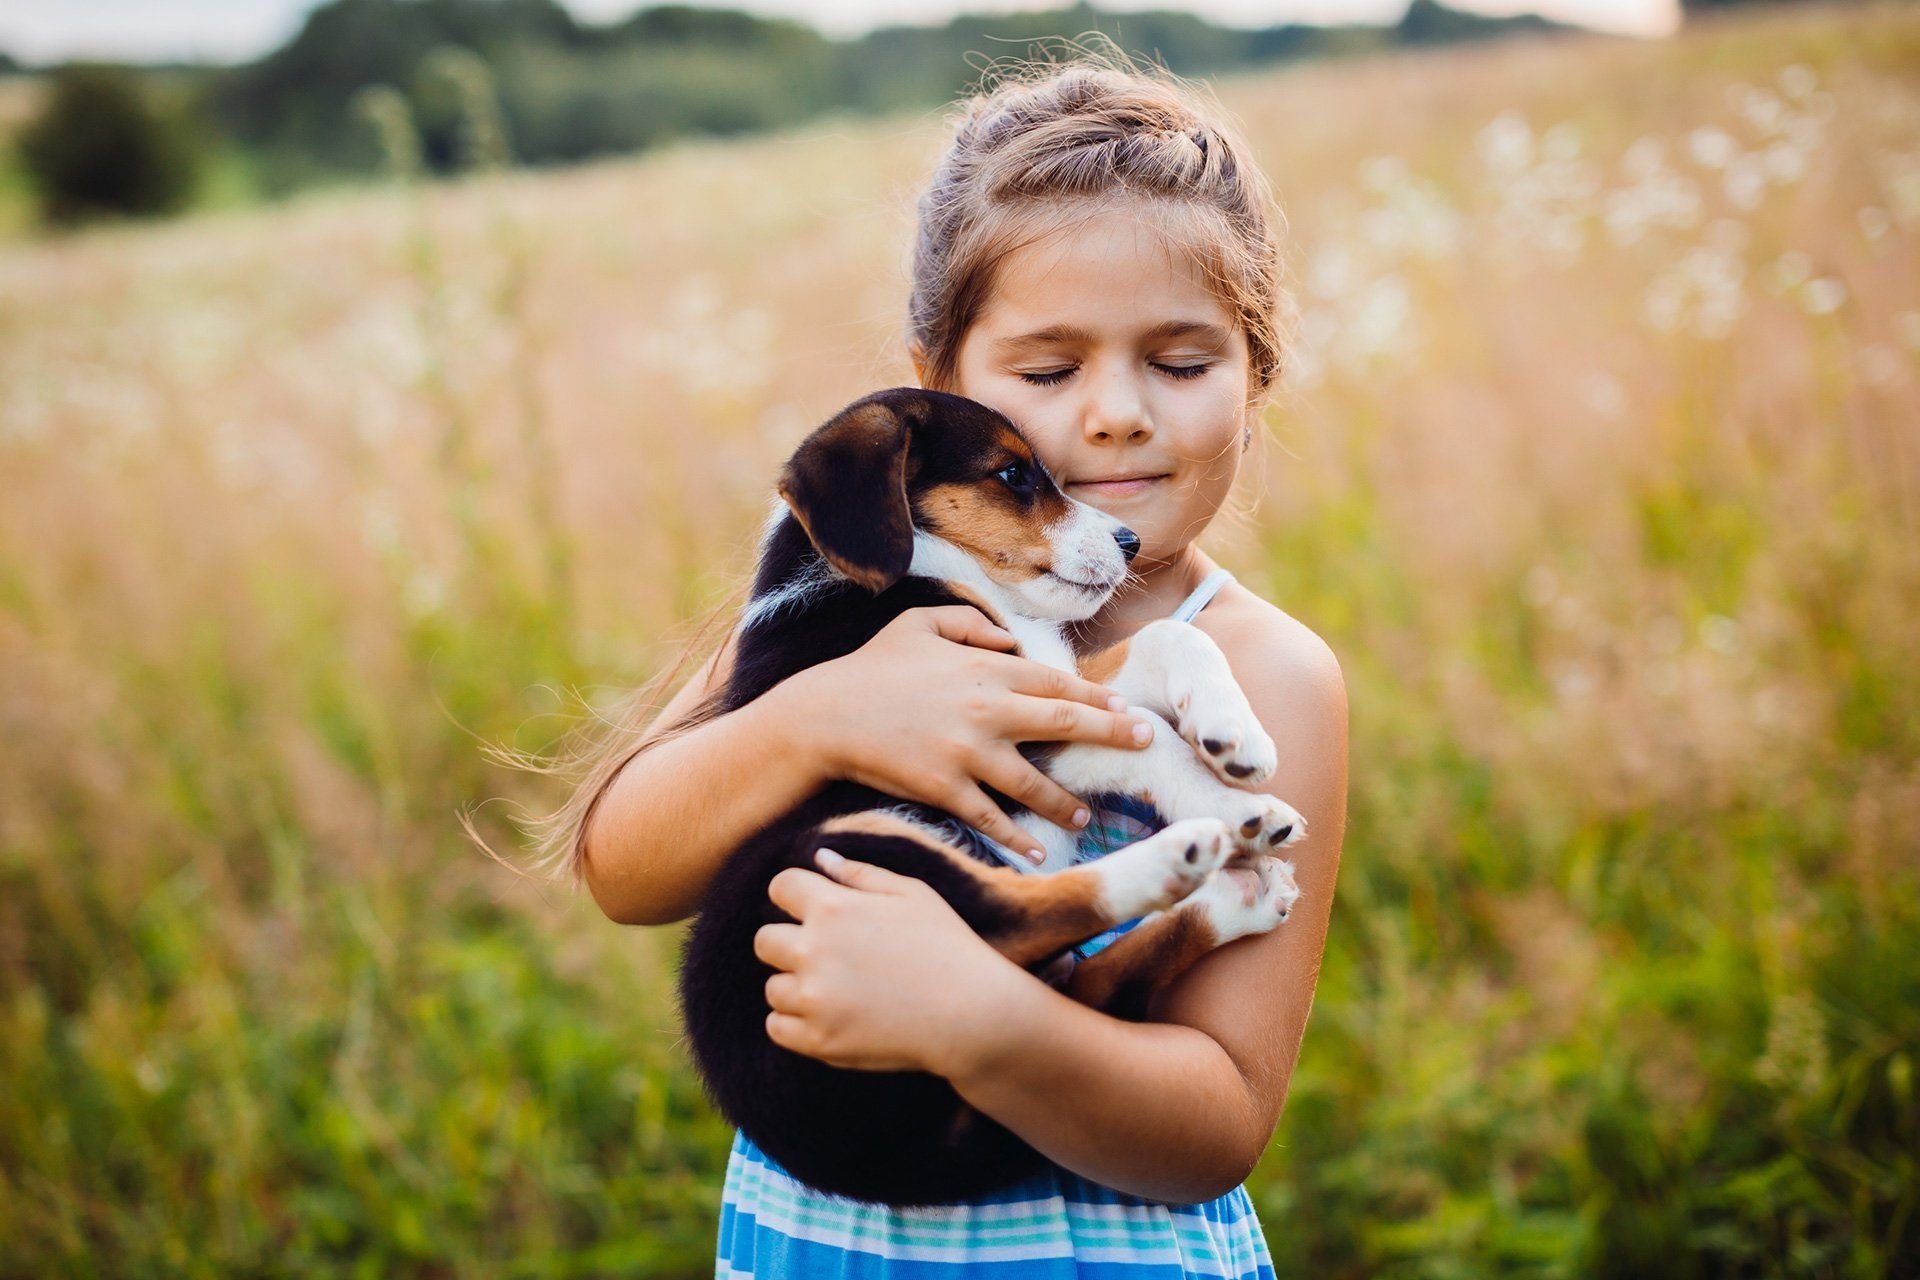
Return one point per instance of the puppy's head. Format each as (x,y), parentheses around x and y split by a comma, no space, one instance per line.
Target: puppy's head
(960,475)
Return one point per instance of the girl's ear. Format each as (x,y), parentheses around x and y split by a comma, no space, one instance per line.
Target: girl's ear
(847,485)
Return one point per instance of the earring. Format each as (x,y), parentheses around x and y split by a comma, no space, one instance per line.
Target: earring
(1246,439)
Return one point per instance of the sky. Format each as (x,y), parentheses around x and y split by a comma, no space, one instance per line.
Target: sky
(235,30)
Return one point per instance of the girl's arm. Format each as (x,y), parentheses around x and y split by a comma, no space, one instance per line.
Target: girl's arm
(1177,1109)
(929,709)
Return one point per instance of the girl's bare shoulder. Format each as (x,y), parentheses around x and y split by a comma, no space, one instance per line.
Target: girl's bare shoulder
(1272,652)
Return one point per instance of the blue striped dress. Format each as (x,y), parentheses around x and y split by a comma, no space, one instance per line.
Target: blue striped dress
(1053,1225)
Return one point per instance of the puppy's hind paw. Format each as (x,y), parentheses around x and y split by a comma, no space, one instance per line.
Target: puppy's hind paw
(1157,872)
(1248,897)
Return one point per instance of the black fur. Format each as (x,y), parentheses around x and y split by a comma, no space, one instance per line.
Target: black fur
(901,1138)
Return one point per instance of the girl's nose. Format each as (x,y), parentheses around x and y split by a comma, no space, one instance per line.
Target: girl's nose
(1117,411)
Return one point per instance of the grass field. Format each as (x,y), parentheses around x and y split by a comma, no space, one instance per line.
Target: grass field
(1597,466)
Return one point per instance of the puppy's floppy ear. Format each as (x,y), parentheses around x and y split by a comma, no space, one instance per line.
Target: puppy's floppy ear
(847,485)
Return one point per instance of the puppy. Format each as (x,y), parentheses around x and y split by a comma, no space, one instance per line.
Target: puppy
(909,498)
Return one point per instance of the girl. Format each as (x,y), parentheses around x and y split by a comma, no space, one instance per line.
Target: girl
(1094,260)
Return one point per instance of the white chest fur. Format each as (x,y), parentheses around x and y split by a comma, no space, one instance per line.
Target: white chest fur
(1041,640)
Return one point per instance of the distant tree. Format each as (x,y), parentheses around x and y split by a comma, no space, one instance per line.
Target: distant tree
(8,63)
(1430,22)
(100,146)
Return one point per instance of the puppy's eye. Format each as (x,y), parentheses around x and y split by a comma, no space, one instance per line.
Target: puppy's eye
(1017,476)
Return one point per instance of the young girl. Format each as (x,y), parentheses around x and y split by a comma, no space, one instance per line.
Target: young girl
(1094,260)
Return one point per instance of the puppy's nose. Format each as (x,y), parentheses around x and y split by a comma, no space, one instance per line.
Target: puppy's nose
(1129,542)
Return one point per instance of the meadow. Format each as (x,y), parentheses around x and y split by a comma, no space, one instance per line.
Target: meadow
(1597,465)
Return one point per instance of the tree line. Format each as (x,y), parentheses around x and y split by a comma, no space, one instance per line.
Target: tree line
(132,139)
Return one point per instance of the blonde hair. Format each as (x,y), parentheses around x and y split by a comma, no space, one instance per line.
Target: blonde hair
(1047,145)
(1044,146)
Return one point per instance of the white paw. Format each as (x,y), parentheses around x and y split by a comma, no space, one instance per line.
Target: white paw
(1215,717)
(1155,873)
(1248,897)
(1260,823)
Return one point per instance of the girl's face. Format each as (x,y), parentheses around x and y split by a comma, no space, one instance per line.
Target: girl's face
(1124,370)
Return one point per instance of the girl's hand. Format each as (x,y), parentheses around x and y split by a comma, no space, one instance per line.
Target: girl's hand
(935,705)
(880,974)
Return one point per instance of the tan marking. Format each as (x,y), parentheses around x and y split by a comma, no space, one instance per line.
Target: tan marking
(979,602)
(871,823)
(1055,912)
(1014,443)
(1050,912)
(1105,665)
(987,524)
(1156,953)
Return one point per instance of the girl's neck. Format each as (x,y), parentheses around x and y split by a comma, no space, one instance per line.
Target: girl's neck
(1153,591)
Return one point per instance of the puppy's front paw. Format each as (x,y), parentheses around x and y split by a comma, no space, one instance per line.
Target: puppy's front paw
(1247,897)
(1260,823)
(1215,717)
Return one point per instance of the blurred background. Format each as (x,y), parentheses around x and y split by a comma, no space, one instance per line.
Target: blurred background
(390,378)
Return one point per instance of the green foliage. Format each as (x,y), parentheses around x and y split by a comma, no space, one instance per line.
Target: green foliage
(100,146)
(1430,22)
(572,91)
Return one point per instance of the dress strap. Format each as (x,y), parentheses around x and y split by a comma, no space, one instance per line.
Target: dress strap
(1203,593)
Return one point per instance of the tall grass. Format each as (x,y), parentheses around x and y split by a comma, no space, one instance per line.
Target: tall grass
(1597,468)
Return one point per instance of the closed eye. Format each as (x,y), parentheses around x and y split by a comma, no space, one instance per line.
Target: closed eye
(1052,377)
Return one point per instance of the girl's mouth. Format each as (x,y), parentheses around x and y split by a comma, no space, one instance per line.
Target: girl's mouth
(1117,487)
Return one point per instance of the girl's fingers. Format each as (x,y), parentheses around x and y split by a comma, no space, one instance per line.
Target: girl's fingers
(788,1031)
(783,993)
(971,805)
(964,624)
(796,889)
(1039,680)
(778,945)
(1013,776)
(1055,720)
(859,875)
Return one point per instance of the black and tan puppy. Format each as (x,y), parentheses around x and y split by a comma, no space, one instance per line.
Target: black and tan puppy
(910,498)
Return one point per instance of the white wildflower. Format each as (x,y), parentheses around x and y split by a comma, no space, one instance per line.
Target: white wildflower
(1561,142)
(1382,324)
(1907,323)
(1506,144)
(1789,271)
(1331,272)
(425,593)
(1762,110)
(1704,288)
(1645,158)
(1785,164)
(1823,297)
(1798,82)
(1712,148)
(1882,366)
(1720,633)
(1745,182)
(1604,395)
(1572,683)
